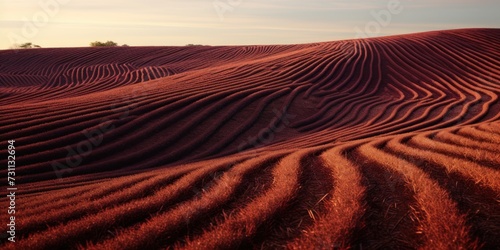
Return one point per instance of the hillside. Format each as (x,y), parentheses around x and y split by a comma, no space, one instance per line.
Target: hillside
(390,142)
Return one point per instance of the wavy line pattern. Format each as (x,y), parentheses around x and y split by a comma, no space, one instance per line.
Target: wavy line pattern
(388,142)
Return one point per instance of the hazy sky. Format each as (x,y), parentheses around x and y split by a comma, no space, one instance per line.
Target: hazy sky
(75,23)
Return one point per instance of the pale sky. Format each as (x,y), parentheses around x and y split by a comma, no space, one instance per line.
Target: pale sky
(76,23)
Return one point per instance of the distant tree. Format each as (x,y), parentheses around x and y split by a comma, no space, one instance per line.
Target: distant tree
(101,44)
(25,46)
(191,44)
(124,45)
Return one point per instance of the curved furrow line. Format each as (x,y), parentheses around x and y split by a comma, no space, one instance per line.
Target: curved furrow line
(95,61)
(241,225)
(190,54)
(371,60)
(357,126)
(435,62)
(441,224)
(86,89)
(192,60)
(493,127)
(20,97)
(59,121)
(481,175)
(489,82)
(169,137)
(49,185)
(37,96)
(35,200)
(154,55)
(103,73)
(159,56)
(233,85)
(47,95)
(353,114)
(425,118)
(342,59)
(79,108)
(104,84)
(369,69)
(313,121)
(473,61)
(52,177)
(477,203)
(36,204)
(13,58)
(190,142)
(234,81)
(21,80)
(165,225)
(104,189)
(249,71)
(140,206)
(224,82)
(404,62)
(60,184)
(450,137)
(483,157)
(91,131)
(362,116)
(258,52)
(478,135)
(404,123)
(377,128)
(465,83)
(482,35)
(173,55)
(96,178)
(319,70)
(312,139)
(391,212)
(250,121)
(83,57)
(411,105)
(408,82)
(402,101)
(344,205)
(315,182)
(488,37)
(93,205)
(353,60)
(256,74)
(14,61)
(79,118)
(363,89)
(62,151)
(83,108)
(487,60)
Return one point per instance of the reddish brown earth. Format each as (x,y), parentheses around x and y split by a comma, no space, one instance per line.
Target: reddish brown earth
(379,143)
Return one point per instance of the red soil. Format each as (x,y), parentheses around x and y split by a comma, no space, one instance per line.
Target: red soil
(389,142)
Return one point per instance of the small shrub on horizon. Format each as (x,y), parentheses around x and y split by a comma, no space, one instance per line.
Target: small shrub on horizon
(25,46)
(105,44)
